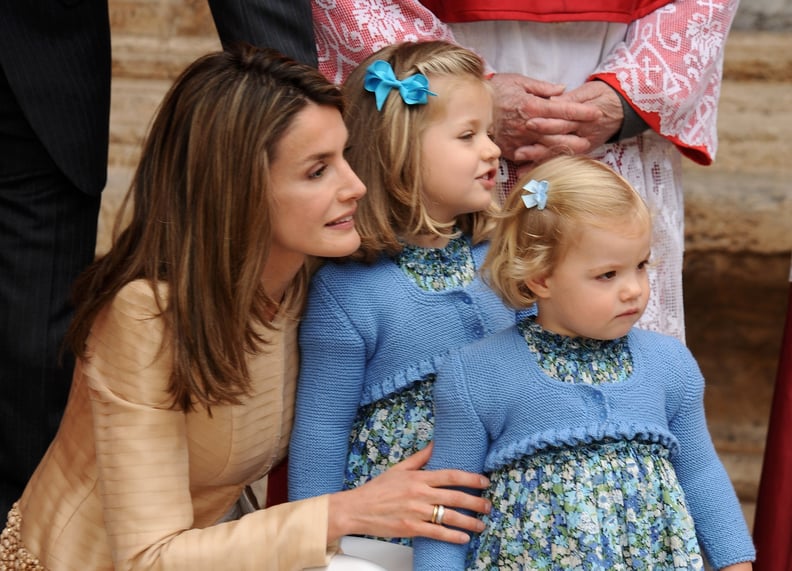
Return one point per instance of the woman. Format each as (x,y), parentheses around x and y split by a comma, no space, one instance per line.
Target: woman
(185,338)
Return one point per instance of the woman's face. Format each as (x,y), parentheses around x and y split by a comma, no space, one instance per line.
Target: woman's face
(314,190)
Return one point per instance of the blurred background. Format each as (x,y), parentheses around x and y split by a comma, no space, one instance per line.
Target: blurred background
(738,210)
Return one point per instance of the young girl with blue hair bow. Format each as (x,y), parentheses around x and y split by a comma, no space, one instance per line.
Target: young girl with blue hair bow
(377,327)
(591,431)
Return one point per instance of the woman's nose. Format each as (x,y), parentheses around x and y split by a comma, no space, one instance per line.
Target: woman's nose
(353,187)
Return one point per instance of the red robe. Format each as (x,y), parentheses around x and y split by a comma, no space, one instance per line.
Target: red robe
(773,524)
(624,11)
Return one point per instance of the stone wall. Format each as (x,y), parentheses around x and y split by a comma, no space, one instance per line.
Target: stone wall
(738,242)
(764,15)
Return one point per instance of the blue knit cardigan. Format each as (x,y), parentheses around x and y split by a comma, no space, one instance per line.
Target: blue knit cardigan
(494,404)
(369,331)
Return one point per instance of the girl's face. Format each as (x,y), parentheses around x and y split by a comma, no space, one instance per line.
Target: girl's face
(459,160)
(314,191)
(600,288)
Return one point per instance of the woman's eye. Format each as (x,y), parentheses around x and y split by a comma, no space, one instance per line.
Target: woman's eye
(318,172)
(466,136)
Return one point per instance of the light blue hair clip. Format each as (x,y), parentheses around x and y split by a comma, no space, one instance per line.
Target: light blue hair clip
(380,79)
(538,194)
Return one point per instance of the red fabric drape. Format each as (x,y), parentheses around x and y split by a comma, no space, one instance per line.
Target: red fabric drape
(625,11)
(773,522)
(277,485)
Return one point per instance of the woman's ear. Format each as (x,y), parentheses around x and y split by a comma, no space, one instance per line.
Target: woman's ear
(538,285)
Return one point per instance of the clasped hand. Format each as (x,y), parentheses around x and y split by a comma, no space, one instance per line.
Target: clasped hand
(536,119)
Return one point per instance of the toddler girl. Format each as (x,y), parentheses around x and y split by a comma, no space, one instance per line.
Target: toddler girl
(376,327)
(591,431)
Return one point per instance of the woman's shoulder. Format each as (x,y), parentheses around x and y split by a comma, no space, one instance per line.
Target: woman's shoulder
(127,349)
(131,322)
(141,296)
(138,305)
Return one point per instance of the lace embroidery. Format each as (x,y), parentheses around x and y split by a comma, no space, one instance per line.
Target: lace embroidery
(346,32)
(671,64)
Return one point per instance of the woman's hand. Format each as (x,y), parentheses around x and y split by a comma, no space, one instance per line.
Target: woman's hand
(400,503)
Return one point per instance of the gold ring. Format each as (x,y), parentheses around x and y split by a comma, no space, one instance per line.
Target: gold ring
(438,513)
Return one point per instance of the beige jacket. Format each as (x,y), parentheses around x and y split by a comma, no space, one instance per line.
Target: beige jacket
(129,482)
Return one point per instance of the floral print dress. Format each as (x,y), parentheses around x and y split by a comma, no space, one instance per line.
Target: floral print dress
(609,505)
(387,431)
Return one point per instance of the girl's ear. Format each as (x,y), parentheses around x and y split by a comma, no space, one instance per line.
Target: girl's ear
(538,285)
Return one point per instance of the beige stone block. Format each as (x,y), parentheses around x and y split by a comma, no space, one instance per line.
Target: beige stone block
(190,18)
(139,17)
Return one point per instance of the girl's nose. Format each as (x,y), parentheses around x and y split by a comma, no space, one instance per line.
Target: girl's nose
(632,288)
(491,150)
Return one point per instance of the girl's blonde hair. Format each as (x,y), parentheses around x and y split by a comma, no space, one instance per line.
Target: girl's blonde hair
(529,242)
(385,147)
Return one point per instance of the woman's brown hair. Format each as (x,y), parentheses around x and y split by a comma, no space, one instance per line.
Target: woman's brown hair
(201,218)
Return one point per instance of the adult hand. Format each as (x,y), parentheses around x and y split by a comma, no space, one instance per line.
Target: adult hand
(400,503)
(559,134)
(521,100)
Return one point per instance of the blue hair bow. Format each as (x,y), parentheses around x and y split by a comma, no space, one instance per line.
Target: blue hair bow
(538,194)
(380,79)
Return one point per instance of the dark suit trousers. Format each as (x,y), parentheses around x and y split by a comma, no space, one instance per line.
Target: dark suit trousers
(285,25)
(47,236)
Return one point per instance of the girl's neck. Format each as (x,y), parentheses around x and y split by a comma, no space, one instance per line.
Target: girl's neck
(427,241)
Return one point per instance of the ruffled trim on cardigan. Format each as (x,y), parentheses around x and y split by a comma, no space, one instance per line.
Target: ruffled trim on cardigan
(577,436)
(401,379)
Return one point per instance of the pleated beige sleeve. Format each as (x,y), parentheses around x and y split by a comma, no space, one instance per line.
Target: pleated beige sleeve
(154,468)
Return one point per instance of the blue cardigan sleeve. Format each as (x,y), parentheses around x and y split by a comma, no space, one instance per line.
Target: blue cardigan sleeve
(461,442)
(332,366)
(720,524)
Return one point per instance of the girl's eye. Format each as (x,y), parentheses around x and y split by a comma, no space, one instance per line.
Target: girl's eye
(607,276)
(466,136)
(643,265)
(318,172)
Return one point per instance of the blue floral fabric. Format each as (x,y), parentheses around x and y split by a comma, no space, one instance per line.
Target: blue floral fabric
(387,431)
(609,505)
(438,269)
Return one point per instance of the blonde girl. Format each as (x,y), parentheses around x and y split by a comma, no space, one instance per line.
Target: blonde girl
(591,431)
(377,327)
